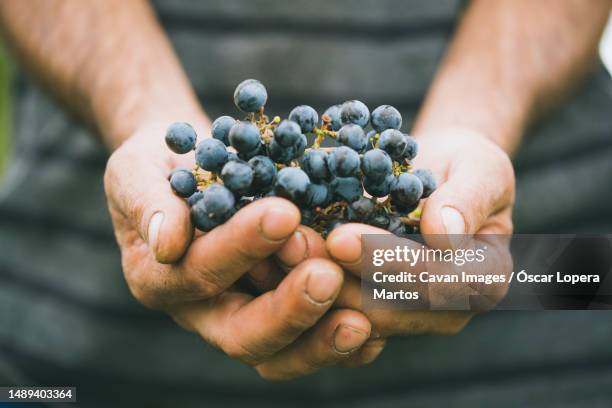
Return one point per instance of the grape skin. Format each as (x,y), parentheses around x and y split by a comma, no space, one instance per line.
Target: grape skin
(221,127)
(183,182)
(343,162)
(211,155)
(287,133)
(264,173)
(353,136)
(385,117)
(334,114)
(292,183)
(346,189)
(314,163)
(393,142)
(244,137)
(376,165)
(250,95)
(237,176)
(428,179)
(407,189)
(305,116)
(355,112)
(180,137)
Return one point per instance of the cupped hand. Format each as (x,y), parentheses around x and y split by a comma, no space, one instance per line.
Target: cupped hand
(285,332)
(475,196)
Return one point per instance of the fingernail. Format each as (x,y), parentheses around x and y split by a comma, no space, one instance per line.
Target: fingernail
(348,339)
(153,231)
(345,247)
(453,221)
(322,285)
(279,222)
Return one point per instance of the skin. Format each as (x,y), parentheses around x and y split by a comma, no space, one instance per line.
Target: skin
(467,128)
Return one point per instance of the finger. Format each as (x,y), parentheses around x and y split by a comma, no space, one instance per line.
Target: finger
(334,339)
(217,259)
(344,245)
(463,203)
(305,243)
(393,322)
(140,197)
(265,276)
(366,354)
(253,330)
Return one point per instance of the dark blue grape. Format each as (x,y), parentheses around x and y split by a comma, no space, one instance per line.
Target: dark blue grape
(260,150)
(300,147)
(385,117)
(201,219)
(219,202)
(264,173)
(353,136)
(211,155)
(183,182)
(180,137)
(377,188)
(305,116)
(314,163)
(250,95)
(318,195)
(333,112)
(195,197)
(376,164)
(355,112)
(361,209)
(232,156)
(237,176)
(371,136)
(393,142)
(221,127)
(287,133)
(379,219)
(244,137)
(402,209)
(280,154)
(292,183)
(395,224)
(412,148)
(346,189)
(343,162)
(406,190)
(428,179)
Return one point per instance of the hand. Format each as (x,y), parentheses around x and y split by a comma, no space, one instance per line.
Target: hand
(285,332)
(475,196)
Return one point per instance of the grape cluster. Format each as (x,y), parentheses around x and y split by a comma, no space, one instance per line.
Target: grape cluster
(249,159)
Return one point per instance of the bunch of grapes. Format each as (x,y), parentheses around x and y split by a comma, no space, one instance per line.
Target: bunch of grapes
(258,157)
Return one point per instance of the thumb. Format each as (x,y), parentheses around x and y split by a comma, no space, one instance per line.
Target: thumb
(141,199)
(472,192)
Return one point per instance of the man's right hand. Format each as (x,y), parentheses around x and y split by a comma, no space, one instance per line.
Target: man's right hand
(285,332)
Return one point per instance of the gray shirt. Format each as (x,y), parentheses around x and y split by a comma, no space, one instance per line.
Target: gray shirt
(66,315)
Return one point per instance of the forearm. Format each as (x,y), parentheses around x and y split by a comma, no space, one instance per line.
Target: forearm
(510,60)
(106,59)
